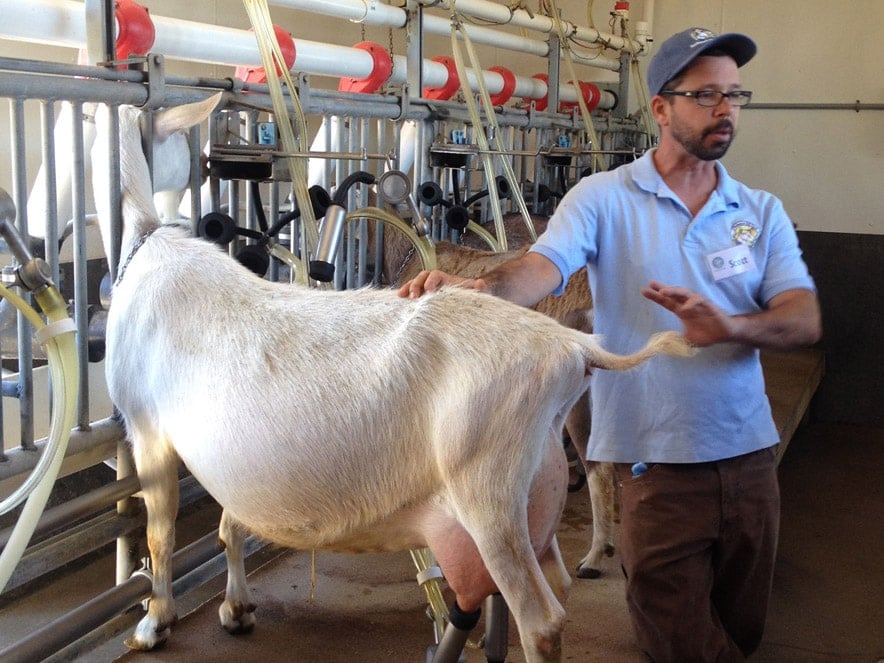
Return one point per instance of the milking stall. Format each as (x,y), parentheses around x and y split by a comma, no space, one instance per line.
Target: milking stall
(335,148)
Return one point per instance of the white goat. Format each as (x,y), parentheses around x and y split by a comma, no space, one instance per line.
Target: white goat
(572,308)
(447,431)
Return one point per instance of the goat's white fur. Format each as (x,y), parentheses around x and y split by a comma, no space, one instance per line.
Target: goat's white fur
(572,308)
(349,421)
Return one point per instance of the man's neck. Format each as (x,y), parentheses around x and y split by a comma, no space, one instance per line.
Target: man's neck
(693,180)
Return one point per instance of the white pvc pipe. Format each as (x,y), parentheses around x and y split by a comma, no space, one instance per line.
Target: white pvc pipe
(370,12)
(52,22)
(62,23)
(200,42)
(438,25)
(499,13)
(373,12)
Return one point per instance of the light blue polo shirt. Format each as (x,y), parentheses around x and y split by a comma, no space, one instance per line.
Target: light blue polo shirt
(741,250)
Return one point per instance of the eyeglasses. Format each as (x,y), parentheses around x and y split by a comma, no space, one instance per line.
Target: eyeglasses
(711,98)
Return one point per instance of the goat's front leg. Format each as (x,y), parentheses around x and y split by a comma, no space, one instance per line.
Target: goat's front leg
(237,610)
(157,466)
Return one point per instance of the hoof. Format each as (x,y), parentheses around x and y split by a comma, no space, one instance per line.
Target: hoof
(149,634)
(237,618)
(587,572)
(577,483)
(240,627)
(140,644)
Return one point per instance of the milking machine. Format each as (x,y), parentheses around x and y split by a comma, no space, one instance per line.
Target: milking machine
(322,266)
(221,229)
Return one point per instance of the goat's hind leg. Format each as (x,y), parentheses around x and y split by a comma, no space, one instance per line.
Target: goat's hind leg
(157,465)
(602,491)
(237,609)
(502,537)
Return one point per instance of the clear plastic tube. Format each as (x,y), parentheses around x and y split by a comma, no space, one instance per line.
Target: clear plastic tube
(64,371)
(274,65)
(424,247)
(457,27)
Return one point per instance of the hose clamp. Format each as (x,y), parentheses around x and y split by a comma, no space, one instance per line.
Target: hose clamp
(53,329)
(428,574)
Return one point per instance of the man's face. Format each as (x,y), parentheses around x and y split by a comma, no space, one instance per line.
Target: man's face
(705,132)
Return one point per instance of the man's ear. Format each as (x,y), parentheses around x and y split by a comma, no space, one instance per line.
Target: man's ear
(660,109)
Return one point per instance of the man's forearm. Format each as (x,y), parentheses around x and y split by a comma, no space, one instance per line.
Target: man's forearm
(524,281)
(791,321)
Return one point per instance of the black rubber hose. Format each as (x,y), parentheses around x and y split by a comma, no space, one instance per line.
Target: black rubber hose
(455,186)
(319,200)
(503,190)
(258,206)
(340,196)
(430,194)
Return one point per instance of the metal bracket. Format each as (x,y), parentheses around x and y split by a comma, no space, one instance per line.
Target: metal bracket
(156,81)
(304,92)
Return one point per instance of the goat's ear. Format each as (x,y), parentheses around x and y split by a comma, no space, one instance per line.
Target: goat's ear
(180,118)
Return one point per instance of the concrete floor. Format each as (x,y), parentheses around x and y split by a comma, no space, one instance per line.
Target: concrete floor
(827,605)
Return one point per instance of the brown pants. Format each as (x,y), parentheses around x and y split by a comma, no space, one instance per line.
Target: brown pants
(698,543)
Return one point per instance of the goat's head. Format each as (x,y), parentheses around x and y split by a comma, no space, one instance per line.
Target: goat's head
(170,152)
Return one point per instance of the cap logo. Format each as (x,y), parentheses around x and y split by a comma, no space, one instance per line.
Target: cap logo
(699,35)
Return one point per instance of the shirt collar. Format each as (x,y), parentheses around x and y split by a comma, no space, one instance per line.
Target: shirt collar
(646,177)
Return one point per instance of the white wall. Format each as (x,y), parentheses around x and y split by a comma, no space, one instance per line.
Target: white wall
(826,165)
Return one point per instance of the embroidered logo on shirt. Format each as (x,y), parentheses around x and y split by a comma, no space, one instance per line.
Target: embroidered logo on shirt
(745,233)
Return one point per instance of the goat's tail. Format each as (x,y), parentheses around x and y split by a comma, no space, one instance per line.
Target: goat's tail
(667,343)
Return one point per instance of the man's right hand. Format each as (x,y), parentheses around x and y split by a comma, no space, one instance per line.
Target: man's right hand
(432,281)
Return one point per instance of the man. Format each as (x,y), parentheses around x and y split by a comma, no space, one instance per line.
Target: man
(694,440)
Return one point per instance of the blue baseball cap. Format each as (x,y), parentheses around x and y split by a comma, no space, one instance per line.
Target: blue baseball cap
(680,49)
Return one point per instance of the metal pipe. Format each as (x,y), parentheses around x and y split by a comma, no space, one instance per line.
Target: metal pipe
(80,273)
(66,547)
(95,444)
(79,507)
(66,629)
(25,351)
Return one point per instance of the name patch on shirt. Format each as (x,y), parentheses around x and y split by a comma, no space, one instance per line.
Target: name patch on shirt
(730,262)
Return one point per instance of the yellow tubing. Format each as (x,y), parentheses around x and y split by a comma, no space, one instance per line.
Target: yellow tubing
(485,235)
(425,248)
(423,559)
(598,163)
(515,185)
(481,138)
(61,351)
(272,58)
(293,261)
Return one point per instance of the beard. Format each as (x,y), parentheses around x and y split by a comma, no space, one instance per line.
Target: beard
(708,144)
